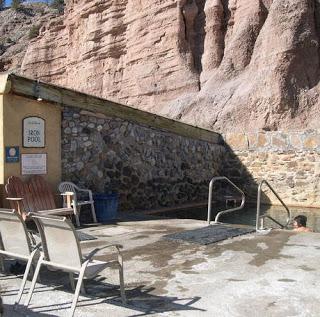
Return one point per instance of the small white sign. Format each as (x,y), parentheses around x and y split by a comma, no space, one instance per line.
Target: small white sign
(33,132)
(33,164)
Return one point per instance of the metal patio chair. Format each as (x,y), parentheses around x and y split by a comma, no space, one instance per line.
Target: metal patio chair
(16,243)
(77,202)
(62,251)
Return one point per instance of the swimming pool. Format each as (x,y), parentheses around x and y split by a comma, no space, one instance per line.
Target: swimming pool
(247,215)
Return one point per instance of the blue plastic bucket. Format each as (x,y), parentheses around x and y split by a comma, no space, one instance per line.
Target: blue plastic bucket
(106,206)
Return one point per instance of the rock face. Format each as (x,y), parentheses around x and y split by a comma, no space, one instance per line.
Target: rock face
(15,32)
(132,51)
(221,64)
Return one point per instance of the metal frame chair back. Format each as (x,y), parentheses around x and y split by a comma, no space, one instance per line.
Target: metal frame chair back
(14,234)
(61,249)
(60,242)
(16,243)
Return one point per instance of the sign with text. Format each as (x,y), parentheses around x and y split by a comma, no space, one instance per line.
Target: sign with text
(33,132)
(12,154)
(33,164)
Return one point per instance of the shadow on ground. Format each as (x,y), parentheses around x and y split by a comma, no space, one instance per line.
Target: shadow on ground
(140,299)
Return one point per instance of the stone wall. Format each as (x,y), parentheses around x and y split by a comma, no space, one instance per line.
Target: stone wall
(152,168)
(289,161)
(148,167)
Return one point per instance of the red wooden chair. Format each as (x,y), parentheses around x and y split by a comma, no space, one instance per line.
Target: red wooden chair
(33,196)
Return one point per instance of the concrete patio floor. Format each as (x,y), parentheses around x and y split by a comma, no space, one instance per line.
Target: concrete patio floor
(253,275)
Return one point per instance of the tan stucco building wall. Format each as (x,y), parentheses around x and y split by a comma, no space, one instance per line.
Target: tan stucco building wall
(13,109)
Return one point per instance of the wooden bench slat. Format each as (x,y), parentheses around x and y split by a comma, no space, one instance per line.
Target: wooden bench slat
(17,189)
(38,194)
(45,193)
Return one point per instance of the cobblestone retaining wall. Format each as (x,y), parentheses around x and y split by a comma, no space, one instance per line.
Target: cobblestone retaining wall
(148,167)
(290,161)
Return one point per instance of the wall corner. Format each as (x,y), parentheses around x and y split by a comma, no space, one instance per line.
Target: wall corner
(5,83)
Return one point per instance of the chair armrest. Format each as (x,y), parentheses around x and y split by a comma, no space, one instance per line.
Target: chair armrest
(18,201)
(67,198)
(87,191)
(83,190)
(95,251)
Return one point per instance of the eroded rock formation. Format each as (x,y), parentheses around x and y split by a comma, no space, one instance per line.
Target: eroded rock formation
(214,39)
(132,51)
(16,29)
(221,64)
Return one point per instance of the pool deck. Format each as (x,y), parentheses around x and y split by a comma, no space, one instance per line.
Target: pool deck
(276,274)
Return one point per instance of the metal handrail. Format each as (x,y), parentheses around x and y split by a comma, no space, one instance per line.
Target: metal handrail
(243,199)
(259,217)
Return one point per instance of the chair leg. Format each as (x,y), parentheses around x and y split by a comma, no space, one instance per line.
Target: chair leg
(93,211)
(25,276)
(83,289)
(77,220)
(76,293)
(34,280)
(2,264)
(73,287)
(122,291)
(76,214)
(32,238)
(31,270)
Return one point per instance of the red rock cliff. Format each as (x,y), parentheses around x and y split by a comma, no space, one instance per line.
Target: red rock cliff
(221,64)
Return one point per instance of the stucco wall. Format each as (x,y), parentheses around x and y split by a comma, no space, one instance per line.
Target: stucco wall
(290,161)
(15,108)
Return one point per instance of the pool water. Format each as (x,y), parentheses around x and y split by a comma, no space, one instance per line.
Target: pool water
(247,215)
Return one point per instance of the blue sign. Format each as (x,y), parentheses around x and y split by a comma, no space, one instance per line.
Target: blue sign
(12,154)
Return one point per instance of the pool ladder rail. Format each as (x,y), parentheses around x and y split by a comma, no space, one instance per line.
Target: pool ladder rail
(223,178)
(260,218)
